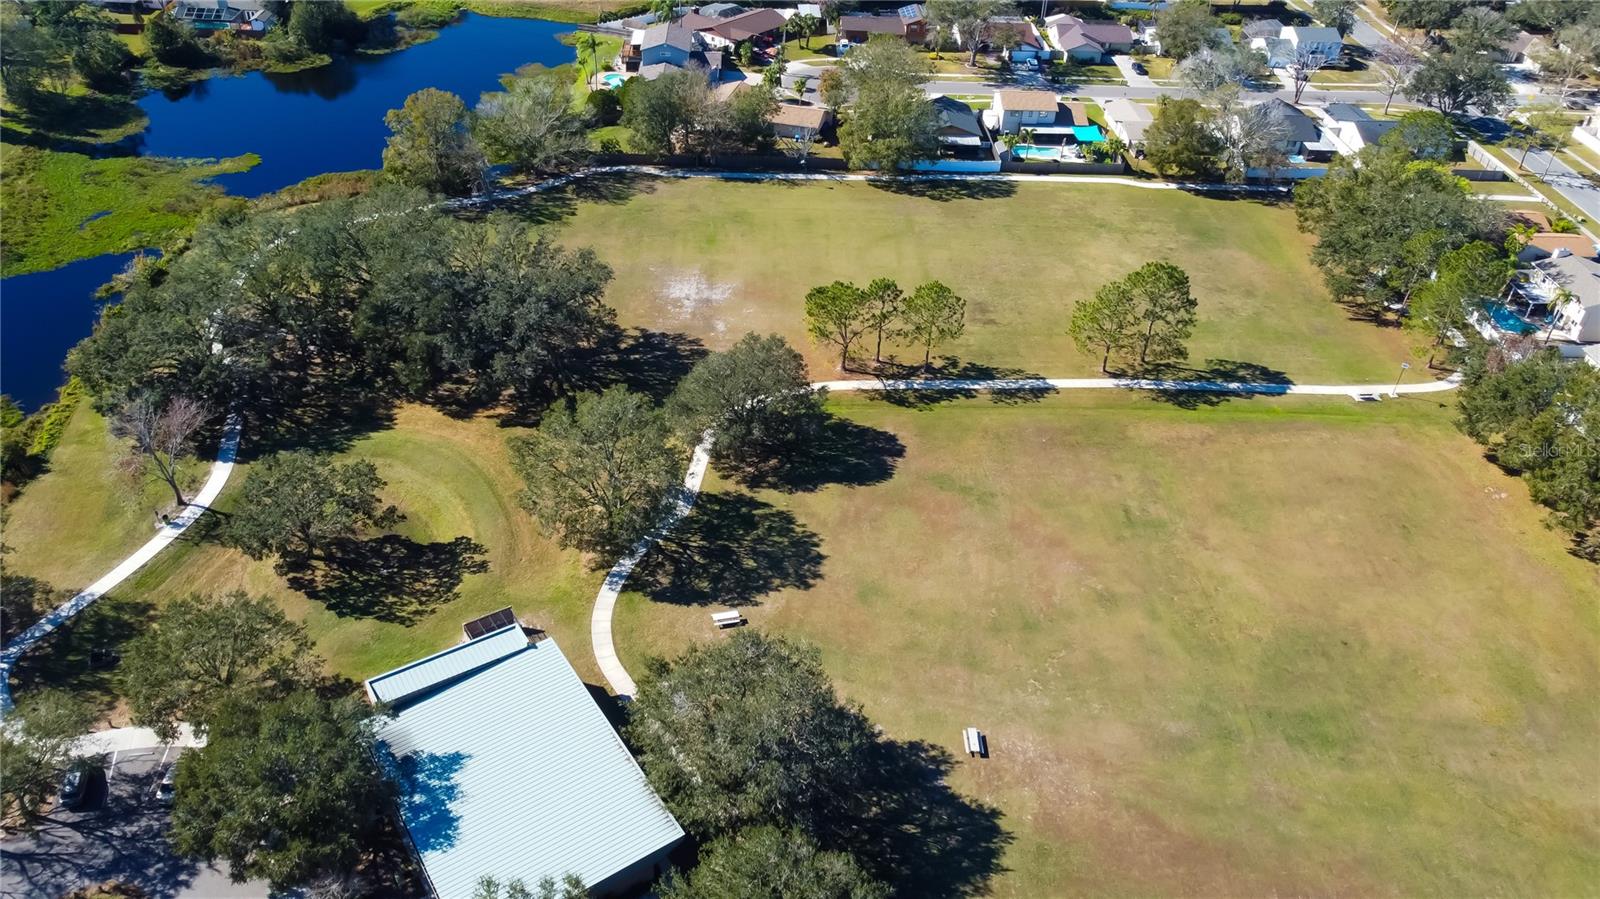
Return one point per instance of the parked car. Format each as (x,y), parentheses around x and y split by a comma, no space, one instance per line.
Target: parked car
(75,785)
(1139,69)
(166,787)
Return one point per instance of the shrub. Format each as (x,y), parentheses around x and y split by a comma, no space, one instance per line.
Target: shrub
(1564,225)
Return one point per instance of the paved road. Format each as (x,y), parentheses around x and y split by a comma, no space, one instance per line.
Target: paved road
(120,834)
(1569,181)
(605,650)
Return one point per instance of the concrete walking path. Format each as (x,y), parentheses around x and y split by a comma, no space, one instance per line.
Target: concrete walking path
(221,469)
(600,636)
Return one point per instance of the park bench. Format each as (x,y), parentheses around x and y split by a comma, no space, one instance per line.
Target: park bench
(974,741)
(730,618)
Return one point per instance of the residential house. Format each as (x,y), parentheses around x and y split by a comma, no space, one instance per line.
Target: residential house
(1086,41)
(669,47)
(796,122)
(720,10)
(1546,244)
(1127,119)
(1569,286)
(909,22)
(1518,51)
(1294,43)
(1014,110)
(761,27)
(505,767)
(997,32)
(1351,128)
(959,127)
(243,16)
(1302,138)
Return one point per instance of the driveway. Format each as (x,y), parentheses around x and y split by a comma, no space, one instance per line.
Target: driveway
(1125,66)
(119,834)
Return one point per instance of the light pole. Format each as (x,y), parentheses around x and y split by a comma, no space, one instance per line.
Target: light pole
(1395,391)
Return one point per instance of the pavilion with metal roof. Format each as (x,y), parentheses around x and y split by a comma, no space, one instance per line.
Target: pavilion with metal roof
(505,767)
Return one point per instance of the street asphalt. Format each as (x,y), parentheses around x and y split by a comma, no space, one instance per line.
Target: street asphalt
(120,834)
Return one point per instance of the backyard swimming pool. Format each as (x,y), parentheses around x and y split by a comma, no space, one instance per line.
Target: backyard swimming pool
(1509,321)
(1029,151)
(612,80)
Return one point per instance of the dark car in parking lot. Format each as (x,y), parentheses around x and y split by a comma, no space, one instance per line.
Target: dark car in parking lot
(74,787)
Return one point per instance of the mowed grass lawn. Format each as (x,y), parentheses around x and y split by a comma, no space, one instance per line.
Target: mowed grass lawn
(1277,647)
(716,259)
(451,478)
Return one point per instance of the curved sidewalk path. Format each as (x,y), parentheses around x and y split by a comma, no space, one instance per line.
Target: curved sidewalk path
(605,603)
(227,450)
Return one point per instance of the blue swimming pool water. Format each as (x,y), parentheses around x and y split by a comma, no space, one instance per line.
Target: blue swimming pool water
(1507,320)
(612,80)
(1029,151)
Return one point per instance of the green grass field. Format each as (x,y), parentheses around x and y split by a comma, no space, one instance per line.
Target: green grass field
(65,206)
(716,259)
(1275,647)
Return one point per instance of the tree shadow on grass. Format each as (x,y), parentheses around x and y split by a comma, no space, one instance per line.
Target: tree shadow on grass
(643,361)
(730,550)
(390,578)
(82,654)
(912,830)
(944,190)
(1031,386)
(557,204)
(840,452)
(325,416)
(1266,381)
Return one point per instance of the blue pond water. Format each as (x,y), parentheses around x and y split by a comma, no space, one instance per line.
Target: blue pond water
(330,119)
(302,124)
(41,316)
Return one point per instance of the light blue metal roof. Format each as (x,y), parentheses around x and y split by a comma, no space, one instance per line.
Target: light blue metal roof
(442,667)
(512,771)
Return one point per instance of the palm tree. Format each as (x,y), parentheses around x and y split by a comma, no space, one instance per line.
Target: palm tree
(588,42)
(808,27)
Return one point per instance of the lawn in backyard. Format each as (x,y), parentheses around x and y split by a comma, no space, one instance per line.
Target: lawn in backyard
(714,259)
(1285,646)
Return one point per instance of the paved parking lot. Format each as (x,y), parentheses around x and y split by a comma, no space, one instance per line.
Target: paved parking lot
(120,833)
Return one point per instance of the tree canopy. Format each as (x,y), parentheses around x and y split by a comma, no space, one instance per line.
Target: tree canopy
(931,315)
(1454,82)
(1186,27)
(1382,224)
(532,125)
(745,732)
(601,474)
(755,395)
(287,790)
(203,651)
(1182,141)
(293,504)
(892,122)
(36,749)
(772,862)
(431,145)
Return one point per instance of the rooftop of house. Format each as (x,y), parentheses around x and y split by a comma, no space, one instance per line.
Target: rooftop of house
(1550,243)
(1346,112)
(720,10)
(957,115)
(1519,43)
(1026,101)
(1101,32)
(1298,126)
(796,116)
(506,767)
(1026,35)
(669,34)
(873,24)
(1311,34)
(1579,274)
(1371,130)
(1127,111)
(747,25)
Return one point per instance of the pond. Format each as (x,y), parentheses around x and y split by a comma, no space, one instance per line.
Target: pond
(328,119)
